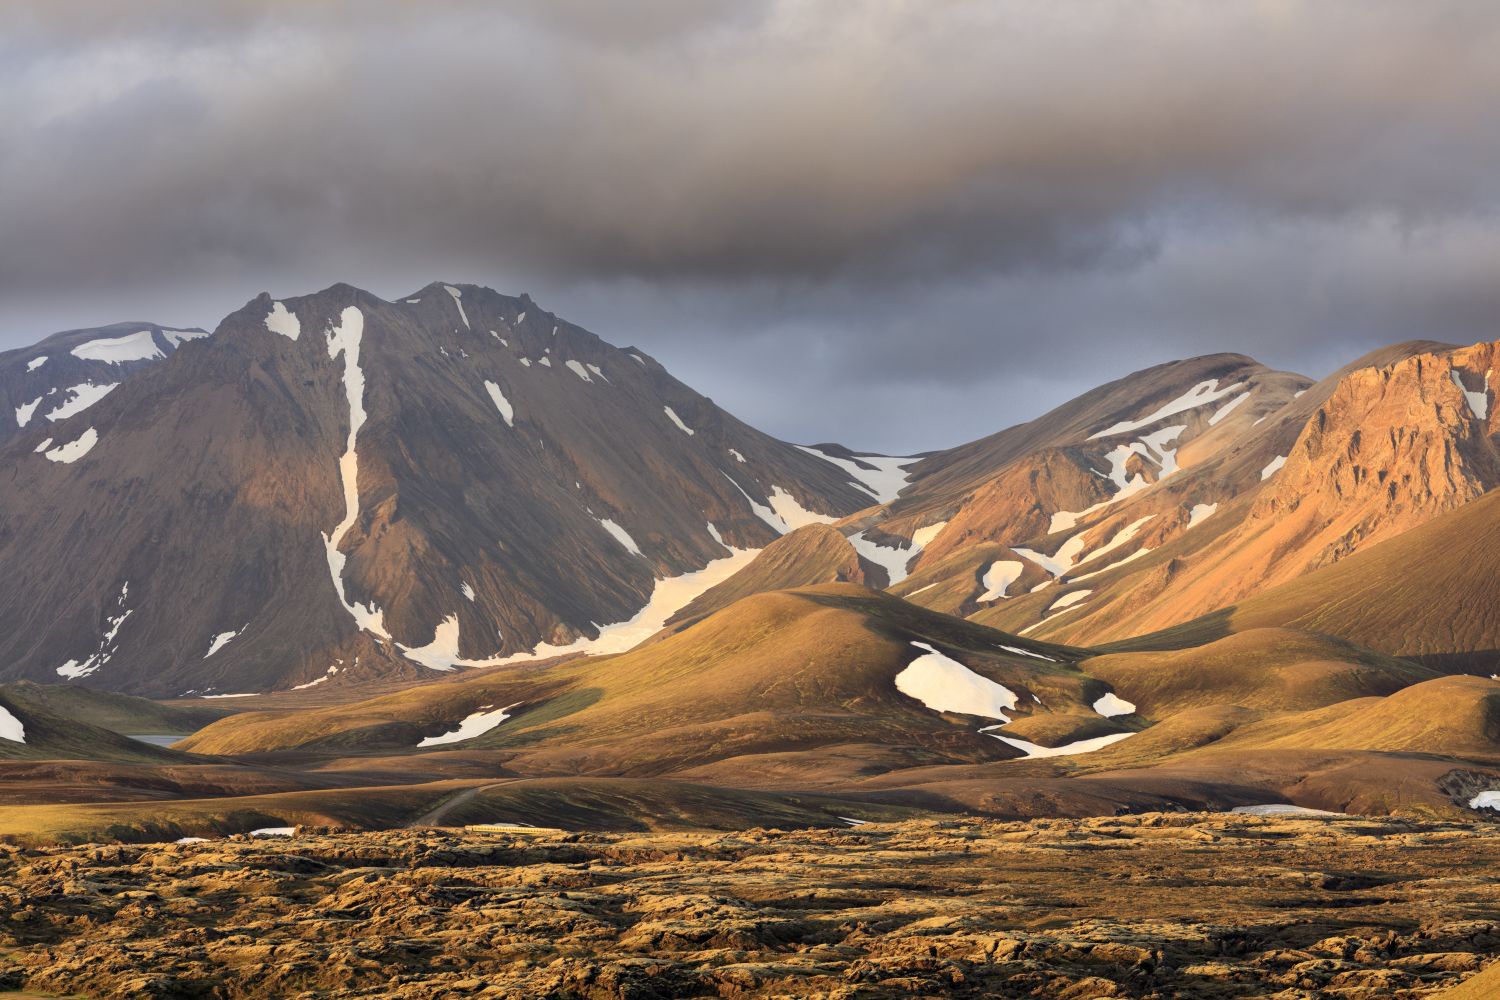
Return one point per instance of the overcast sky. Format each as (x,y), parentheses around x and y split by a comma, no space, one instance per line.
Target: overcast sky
(899,225)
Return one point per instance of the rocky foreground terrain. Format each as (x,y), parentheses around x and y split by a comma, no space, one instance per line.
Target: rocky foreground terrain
(1135,906)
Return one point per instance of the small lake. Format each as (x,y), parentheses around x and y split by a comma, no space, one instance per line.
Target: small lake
(158,739)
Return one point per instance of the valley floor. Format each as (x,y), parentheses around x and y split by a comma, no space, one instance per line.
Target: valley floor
(1158,905)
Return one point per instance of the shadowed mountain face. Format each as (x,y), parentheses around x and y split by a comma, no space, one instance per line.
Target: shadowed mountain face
(337,484)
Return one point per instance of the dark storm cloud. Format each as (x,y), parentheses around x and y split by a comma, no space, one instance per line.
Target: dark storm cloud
(977,206)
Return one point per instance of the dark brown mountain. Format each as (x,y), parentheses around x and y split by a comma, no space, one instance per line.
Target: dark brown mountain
(337,486)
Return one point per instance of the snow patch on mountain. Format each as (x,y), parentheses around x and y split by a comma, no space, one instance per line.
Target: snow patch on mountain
(1272,467)
(138,346)
(943,684)
(177,337)
(221,640)
(1110,705)
(1479,402)
(672,416)
(107,647)
(1199,395)
(475,724)
(998,578)
(25,410)
(36,363)
(11,728)
(1034,751)
(283,321)
(501,403)
(458,300)
(577,369)
(620,535)
(884,482)
(792,513)
(80,398)
(75,449)
(345,339)
(1201,512)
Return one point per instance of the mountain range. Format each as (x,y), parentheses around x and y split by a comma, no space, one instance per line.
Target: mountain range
(455,537)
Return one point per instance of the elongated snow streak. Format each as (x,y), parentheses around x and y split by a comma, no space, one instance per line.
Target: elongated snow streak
(1272,467)
(1198,395)
(11,728)
(1282,809)
(668,597)
(458,300)
(620,535)
(345,339)
(1227,408)
(1486,800)
(221,640)
(1034,751)
(501,403)
(943,684)
(36,363)
(672,416)
(476,724)
(25,410)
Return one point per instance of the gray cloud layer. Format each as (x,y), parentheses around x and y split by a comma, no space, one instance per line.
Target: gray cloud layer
(897,223)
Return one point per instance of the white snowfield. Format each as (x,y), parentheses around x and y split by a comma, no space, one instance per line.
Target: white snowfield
(458,300)
(736,455)
(1122,537)
(1027,652)
(620,535)
(577,368)
(1282,809)
(466,590)
(177,337)
(281,320)
(1228,408)
(884,482)
(75,449)
(138,346)
(1110,705)
(672,416)
(25,410)
(475,724)
(1201,512)
(1068,600)
(221,640)
(501,403)
(107,647)
(894,559)
(36,363)
(274,831)
(345,339)
(1153,447)
(791,513)
(998,578)
(944,685)
(1479,402)
(667,598)
(1272,467)
(1034,751)
(1199,395)
(1486,800)
(11,728)
(80,398)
